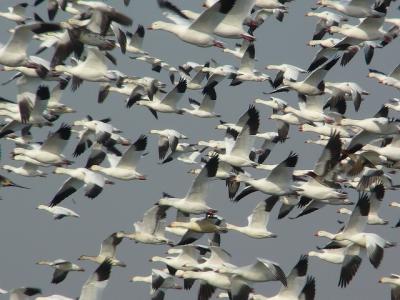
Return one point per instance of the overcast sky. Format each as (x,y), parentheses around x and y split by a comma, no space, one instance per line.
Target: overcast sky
(28,235)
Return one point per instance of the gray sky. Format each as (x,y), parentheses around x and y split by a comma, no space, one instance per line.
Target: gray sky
(28,235)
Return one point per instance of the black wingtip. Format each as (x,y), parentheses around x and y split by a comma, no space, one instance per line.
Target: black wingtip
(226,6)
(181,86)
(141,143)
(140,31)
(43,92)
(64,131)
(302,266)
(291,160)
(212,166)
(363,204)
(31,291)
(379,191)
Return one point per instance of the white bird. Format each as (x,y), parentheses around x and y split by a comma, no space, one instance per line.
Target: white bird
(313,84)
(79,177)
(232,25)
(168,104)
(134,42)
(326,19)
(124,167)
(61,268)
(107,252)
(194,201)
(186,259)
(238,145)
(58,212)
(369,29)
(199,32)
(16,13)
(261,271)
(205,109)
(285,71)
(257,221)
(93,68)
(246,71)
(277,183)
(13,53)
(50,151)
(353,8)
(168,140)
(151,229)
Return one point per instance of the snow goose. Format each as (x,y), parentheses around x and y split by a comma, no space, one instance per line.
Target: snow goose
(194,201)
(185,152)
(238,145)
(392,79)
(61,269)
(16,13)
(263,14)
(50,151)
(246,71)
(168,139)
(166,105)
(151,229)
(278,182)
(93,68)
(205,109)
(354,8)
(159,282)
(353,233)
(28,113)
(79,177)
(23,293)
(54,105)
(240,122)
(218,257)
(197,227)
(186,259)
(124,167)
(261,271)
(310,109)
(376,197)
(13,53)
(27,169)
(369,29)
(134,41)
(232,25)
(58,212)
(94,287)
(225,172)
(107,251)
(350,91)
(258,220)
(103,132)
(394,281)
(313,84)
(285,71)
(379,124)
(199,32)
(293,290)
(326,20)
